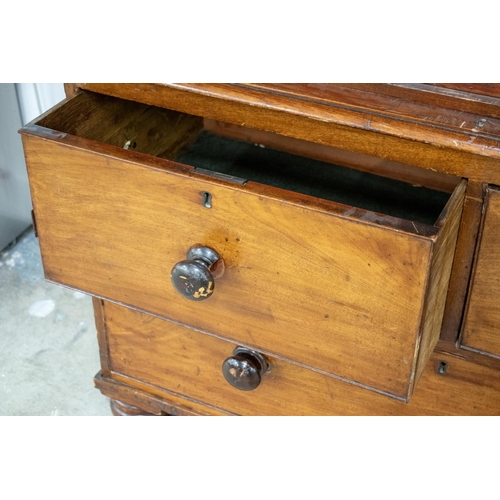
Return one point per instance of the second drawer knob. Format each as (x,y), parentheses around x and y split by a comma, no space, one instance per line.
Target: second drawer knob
(244,369)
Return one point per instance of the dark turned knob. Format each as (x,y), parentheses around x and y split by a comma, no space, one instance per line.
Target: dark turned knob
(192,277)
(244,369)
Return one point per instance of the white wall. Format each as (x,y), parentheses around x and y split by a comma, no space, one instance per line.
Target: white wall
(19,104)
(36,98)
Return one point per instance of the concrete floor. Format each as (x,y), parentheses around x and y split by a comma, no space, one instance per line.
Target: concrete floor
(48,341)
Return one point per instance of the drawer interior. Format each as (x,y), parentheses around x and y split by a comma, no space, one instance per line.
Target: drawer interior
(315,178)
(183,138)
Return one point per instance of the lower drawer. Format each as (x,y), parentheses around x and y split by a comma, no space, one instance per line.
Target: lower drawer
(175,363)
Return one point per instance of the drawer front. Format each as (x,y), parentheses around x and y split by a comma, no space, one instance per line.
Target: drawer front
(175,364)
(336,288)
(482,322)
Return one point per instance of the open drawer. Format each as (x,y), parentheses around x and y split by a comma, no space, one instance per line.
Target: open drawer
(331,268)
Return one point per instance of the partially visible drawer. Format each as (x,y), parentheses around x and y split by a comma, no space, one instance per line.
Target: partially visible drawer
(482,319)
(339,288)
(176,364)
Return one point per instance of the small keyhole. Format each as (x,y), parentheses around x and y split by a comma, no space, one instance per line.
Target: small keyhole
(207,200)
(443,366)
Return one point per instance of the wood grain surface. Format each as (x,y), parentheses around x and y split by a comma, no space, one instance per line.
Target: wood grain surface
(462,263)
(141,128)
(488,89)
(379,166)
(435,96)
(453,141)
(443,252)
(168,362)
(149,403)
(482,321)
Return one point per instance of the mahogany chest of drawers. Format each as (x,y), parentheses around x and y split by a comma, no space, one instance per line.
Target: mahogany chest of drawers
(279,249)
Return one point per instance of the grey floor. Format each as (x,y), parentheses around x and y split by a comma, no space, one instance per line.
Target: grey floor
(48,342)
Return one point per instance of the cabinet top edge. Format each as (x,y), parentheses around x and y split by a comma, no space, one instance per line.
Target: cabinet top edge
(440,116)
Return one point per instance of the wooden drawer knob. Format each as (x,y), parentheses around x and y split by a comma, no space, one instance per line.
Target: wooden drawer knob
(192,277)
(244,369)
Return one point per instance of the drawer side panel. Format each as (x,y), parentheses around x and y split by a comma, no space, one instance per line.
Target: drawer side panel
(439,277)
